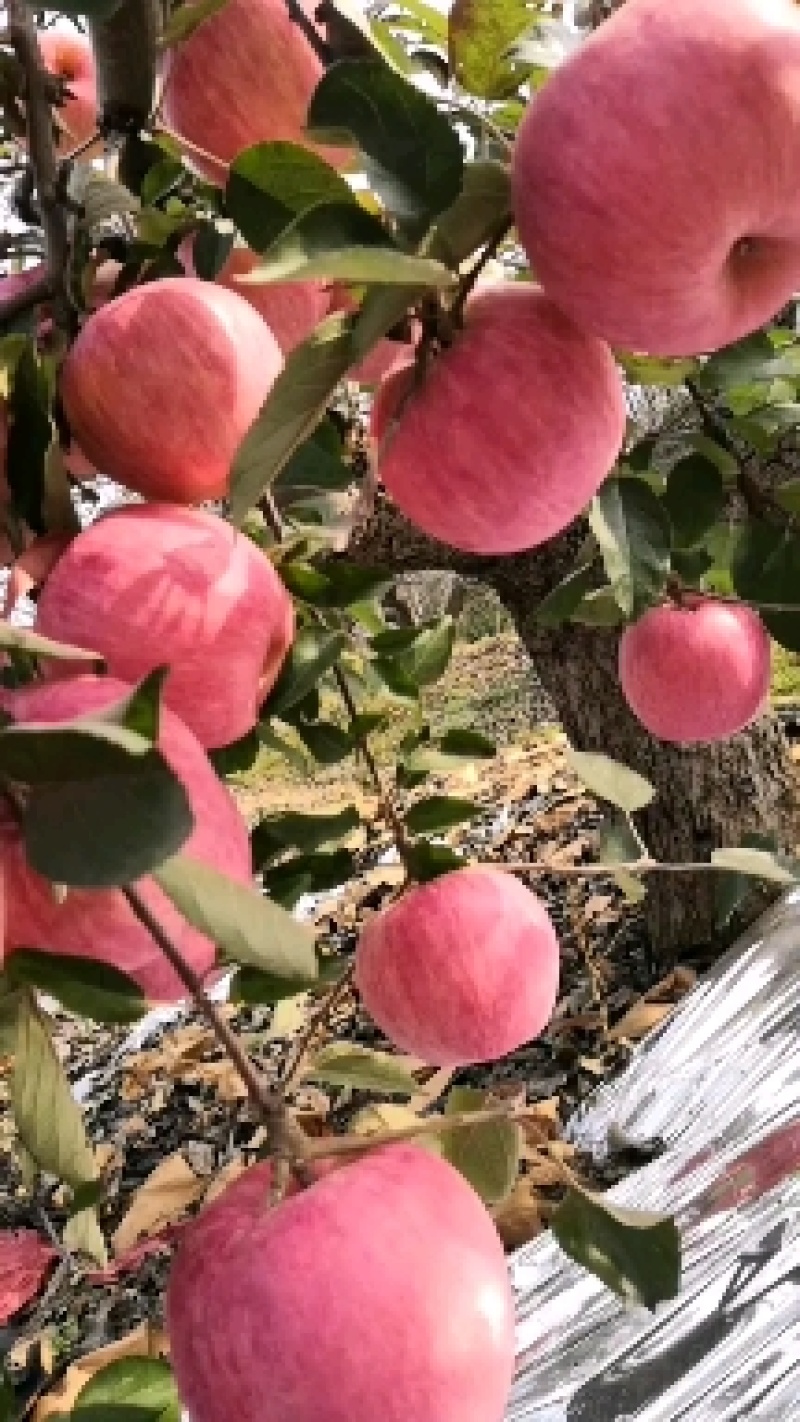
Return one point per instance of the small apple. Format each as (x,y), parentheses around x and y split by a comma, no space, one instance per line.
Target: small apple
(698,672)
(162,384)
(381,1292)
(462,969)
(68,55)
(656,175)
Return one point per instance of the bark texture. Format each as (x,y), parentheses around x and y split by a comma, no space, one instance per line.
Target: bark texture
(706,797)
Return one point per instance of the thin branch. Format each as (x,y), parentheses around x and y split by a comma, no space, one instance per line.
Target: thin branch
(315,1024)
(285,1137)
(193,149)
(388,808)
(469,279)
(306,25)
(25,298)
(582,871)
(42,151)
(425,1126)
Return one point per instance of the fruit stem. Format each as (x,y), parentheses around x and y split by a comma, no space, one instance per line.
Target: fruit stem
(468,280)
(285,1137)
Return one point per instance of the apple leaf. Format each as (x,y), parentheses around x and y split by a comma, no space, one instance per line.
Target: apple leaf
(245,926)
(271,184)
(566,597)
(48,1119)
(345,1064)
(315,467)
(313,653)
(766,568)
(488,1153)
(481,209)
(611,781)
(599,608)
(129,1390)
(253,986)
(345,242)
(23,639)
(438,813)
(632,528)
(481,33)
(636,1254)
(292,830)
(469,745)
(694,499)
(325,741)
(317,871)
(428,861)
(757,864)
(95,990)
(414,155)
(617,840)
(183,21)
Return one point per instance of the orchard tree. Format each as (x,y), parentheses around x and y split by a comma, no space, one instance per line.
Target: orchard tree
(502,227)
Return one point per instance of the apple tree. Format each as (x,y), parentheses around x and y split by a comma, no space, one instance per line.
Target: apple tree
(498,229)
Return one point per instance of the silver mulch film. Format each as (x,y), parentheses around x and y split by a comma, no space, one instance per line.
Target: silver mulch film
(719,1085)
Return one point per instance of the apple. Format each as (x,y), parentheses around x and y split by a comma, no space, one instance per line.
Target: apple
(163,382)
(381,1292)
(291,309)
(695,672)
(488,455)
(155,584)
(68,55)
(462,969)
(99,924)
(246,75)
(656,175)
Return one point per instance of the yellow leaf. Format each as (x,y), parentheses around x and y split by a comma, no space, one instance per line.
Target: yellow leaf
(164,1197)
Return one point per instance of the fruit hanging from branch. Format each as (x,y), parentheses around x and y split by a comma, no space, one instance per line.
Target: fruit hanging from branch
(163,382)
(462,969)
(99,924)
(656,175)
(483,453)
(157,584)
(379,1292)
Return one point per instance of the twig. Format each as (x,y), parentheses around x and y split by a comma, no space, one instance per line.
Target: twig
(306,25)
(469,279)
(576,871)
(191,148)
(42,151)
(756,499)
(285,1137)
(272,515)
(316,1022)
(425,1126)
(710,596)
(387,805)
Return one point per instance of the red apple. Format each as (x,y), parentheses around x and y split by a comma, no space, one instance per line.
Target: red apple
(246,75)
(68,55)
(99,924)
(656,175)
(291,309)
(699,672)
(163,382)
(156,584)
(381,1292)
(462,969)
(488,455)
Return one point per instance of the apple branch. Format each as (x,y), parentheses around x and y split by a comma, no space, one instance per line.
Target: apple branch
(425,1126)
(757,500)
(316,1022)
(124,48)
(388,808)
(43,161)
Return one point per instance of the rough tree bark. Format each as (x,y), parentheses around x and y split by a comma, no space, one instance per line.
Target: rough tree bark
(706,797)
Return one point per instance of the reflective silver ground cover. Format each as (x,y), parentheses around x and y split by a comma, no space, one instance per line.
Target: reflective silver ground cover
(720,1085)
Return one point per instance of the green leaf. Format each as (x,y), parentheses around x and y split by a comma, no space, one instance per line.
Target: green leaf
(788,496)
(692,564)
(90,989)
(290,412)
(757,864)
(753,358)
(252,986)
(428,861)
(488,1153)
(343,241)
(468,744)
(652,370)
(481,209)
(23,639)
(611,781)
(632,528)
(694,499)
(129,1390)
(420,655)
(599,608)
(415,157)
(317,872)
(141,711)
(618,841)
(244,925)
(48,1119)
(183,21)
(345,1064)
(292,830)
(732,889)
(30,432)
(395,678)
(272,741)
(316,466)
(8,1398)
(438,813)
(82,1235)
(481,33)
(635,1254)
(333,585)
(271,184)
(564,599)
(313,653)
(327,742)
(376,35)
(766,568)
(110,830)
(237,757)
(43,753)
(211,248)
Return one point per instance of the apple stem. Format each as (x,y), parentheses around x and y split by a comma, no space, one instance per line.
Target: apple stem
(468,280)
(43,160)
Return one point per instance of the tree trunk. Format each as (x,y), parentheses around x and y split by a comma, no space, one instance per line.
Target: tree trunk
(706,796)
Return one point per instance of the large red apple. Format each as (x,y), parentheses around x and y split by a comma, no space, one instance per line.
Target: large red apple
(291,309)
(98,924)
(699,672)
(68,55)
(164,381)
(156,584)
(462,969)
(489,453)
(656,175)
(380,1294)
(246,75)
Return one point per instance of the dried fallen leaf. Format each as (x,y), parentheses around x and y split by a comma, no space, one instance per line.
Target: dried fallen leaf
(129,1262)
(226,1177)
(26,1259)
(163,1199)
(639,1020)
(144,1342)
(519,1218)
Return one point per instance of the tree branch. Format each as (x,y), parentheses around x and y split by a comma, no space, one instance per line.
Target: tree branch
(25,297)
(125,58)
(756,499)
